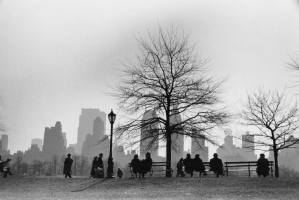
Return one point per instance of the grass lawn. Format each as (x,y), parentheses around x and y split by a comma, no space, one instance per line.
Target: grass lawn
(149,188)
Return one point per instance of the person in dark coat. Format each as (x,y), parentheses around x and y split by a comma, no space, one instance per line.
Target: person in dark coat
(67,169)
(110,167)
(145,165)
(179,168)
(119,173)
(262,166)
(198,165)
(100,167)
(135,164)
(93,167)
(6,168)
(189,166)
(216,165)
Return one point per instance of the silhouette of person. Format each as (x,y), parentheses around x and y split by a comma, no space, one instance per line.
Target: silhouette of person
(135,164)
(119,173)
(216,165)
(6,168)
(198,165)
(146,165)
(100,166)
(110,167)
(188,162)
(67,169)
(262,166)
(93,167)
(179,167)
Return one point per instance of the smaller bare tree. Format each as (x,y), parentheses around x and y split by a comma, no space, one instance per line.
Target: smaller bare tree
(276,119)
(55,163)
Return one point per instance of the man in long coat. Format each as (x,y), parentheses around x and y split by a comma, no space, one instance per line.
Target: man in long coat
(262,166)
(67,169)
(216,165)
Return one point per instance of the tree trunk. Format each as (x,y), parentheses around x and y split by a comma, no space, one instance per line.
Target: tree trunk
(276,163)
(168,155)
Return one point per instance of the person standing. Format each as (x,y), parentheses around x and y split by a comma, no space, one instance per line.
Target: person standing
(179,168)
(93,167)
(110,172)
(262,166)
(67,169)
(100,167)
(216,165)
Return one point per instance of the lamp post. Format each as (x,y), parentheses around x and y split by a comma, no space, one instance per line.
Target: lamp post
(111,117)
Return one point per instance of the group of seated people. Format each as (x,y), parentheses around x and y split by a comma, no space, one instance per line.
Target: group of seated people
(189,165)
(141,166)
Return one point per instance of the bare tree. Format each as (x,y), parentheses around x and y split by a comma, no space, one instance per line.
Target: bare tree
(83,164)
(169,78)
(276,119)
(76,164)
(54,163)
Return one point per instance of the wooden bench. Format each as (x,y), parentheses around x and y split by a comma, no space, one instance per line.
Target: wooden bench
(207,166)
(154,168)
(244,166)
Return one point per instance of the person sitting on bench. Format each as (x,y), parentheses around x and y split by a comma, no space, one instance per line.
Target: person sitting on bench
(6,168)
(262,166)
(188,162)
(216,165)
(198,165)
(135,164)
(145,165)
(179,168)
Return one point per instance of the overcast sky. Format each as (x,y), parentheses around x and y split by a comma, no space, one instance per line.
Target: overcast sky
(57,57)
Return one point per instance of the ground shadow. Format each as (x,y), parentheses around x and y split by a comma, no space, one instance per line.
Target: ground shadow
(80,190)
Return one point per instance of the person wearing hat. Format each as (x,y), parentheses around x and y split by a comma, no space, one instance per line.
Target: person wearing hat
(199,166)
(67,169)
(189,167)
(262,166)
(216,165)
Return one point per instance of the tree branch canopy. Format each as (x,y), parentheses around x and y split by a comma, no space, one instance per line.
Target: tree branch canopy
(169,78)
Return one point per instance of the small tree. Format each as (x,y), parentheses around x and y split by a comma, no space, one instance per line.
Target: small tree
(83,164)
(55,163)
(76,164)
(276,120)
(171,79)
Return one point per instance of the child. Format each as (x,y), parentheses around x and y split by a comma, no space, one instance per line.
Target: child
(179,167)
(119,173)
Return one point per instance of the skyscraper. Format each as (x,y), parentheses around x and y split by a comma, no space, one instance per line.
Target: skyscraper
(198,147)
(86,121)
(148,133)
(38,142)
(4,139)
(53,142)
(247,140)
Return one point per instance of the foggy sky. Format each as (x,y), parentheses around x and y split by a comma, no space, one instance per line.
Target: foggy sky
(57,57)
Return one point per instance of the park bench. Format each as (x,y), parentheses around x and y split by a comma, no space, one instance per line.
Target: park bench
(156,167)
(207,170)
(244,166)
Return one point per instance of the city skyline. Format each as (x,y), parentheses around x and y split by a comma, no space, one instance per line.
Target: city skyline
(58,57)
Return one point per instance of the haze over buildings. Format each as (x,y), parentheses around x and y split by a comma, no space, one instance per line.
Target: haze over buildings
(38,142)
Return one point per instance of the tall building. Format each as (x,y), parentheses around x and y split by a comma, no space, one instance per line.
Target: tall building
(38,142)
(247,140)
(4,139)
(148,132)
(198,146)
(177,150)
(53,142)
(86,121)
(64,139)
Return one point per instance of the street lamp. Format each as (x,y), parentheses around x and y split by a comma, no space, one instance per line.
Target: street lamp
(111,117)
